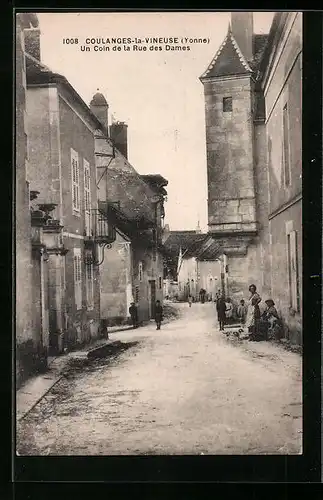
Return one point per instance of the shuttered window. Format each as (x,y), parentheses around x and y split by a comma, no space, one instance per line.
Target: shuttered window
(78,278)
(89,286)
(87,198)
(293,272)
(286,140)
(75,165)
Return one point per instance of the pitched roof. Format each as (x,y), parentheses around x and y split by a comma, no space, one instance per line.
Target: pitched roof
(228,60)
(210,250)
(132,193)
(188,241)
(39,74)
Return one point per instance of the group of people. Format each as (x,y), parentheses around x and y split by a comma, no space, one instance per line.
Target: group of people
(260,326)
(133,311)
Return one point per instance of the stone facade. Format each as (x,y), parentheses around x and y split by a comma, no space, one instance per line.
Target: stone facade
(229,142)
(116,281)
(31,312)
(60,130)
(253,123)
(282,86)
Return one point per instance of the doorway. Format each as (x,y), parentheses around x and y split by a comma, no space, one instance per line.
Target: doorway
(152,284)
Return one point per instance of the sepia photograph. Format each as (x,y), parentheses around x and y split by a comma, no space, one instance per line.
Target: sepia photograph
(158,233)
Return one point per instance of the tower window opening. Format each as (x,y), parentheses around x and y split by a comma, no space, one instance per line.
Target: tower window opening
(227,104)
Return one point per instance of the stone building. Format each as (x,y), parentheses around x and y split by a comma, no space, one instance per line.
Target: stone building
(88,225)
(252,91)
(281,84)
(31,335)
(62,170)
(134,204)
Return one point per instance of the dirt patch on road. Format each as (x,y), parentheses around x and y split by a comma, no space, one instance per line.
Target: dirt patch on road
(83,364)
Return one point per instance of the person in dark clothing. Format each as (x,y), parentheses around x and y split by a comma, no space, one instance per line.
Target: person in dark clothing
(158,314)
(133,311)
(254,328)
(217,301)
(221,308)
(270,324)
(202,295)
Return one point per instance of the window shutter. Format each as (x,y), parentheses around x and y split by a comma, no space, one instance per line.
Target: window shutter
(89,286)
(75,181)
(78,278)
(294,271)
(87,198)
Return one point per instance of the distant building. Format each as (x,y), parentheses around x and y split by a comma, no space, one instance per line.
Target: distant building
(253,110)
(193,264)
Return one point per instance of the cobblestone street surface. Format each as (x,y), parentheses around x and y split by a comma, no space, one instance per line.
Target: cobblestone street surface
(185,389)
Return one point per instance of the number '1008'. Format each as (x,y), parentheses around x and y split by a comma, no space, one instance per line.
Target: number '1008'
(70,40)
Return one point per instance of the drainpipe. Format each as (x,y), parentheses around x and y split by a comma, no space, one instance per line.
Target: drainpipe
(225,271)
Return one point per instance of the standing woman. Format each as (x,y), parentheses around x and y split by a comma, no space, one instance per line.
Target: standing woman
(253,312)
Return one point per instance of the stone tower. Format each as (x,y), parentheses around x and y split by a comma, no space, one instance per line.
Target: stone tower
(230,111)
(100,109)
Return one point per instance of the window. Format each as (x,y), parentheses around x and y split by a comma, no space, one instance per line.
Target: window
(78,278)
(293,275)
(75,182)
(160,283)
(87,198)
(89,285)
(140,271)
(63,274)
(227,104)
(286,138)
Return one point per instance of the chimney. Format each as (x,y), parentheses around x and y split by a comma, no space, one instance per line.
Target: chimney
(119,135)
(242,30)
(32,42)
(100,108)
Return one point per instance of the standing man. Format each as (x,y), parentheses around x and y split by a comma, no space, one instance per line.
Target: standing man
(202,295)
(190,300)
(158,314)
(133,311)
(221,309)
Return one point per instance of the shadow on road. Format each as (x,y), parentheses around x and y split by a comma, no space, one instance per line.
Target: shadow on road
(103,358)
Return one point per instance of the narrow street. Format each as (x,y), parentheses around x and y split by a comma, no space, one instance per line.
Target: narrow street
(186,389)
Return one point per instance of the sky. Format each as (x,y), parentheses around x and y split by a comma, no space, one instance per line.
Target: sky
(156,92)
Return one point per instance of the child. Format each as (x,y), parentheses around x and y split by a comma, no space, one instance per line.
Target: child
(242,311)
(228,309)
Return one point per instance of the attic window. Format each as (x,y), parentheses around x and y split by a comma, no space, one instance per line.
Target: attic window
(227,104)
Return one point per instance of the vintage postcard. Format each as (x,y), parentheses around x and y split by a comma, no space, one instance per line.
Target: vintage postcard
(158,233)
